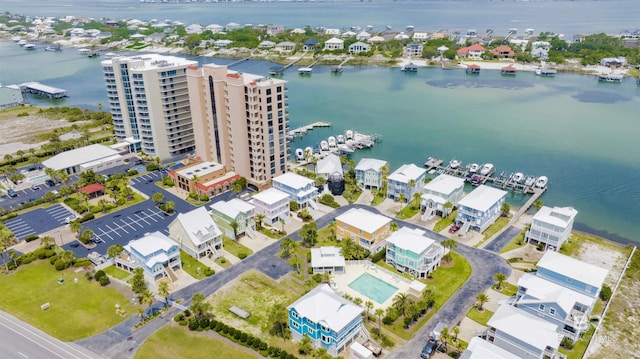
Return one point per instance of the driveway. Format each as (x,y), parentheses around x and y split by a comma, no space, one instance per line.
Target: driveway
(502,239)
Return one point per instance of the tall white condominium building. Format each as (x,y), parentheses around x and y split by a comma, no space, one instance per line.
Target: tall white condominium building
(240,121)
(149,100)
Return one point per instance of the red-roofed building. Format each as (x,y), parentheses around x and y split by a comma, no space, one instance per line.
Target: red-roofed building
(473,69)
(93,190)
(203,178)
(508,71)
(503,51)
(474,51)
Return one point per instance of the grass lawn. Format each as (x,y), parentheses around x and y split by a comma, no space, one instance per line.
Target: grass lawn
(507,289)
(378,198)
(191,265)
(78,310)
(445,222)
(269,233)
(407,212)
(580,347)
(195,202)
(445,282)
(178,342)
(479,317)
(515,243)
(235,248)
(494,228)
(117,272)
(325,238)
(223,262)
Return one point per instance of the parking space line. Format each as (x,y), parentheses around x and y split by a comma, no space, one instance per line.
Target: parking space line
(143,219)
(121,227)
(133,220)
(128,224)
(106,234)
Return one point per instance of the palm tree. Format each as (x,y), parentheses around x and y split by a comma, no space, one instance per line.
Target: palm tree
(103,204)
(369,305)
(358,301)
(46,241)
(538,204)
(195,179)
(64,177)
(146,298)
(449,244)
(411,184)
(8,158)
(282,222)
(505,209)
(393,226)
(444,337)
(401,199)
(400,302)
(163,290)
(76,227)
(286,247)
(379,312)
(456,331)
(20,154)
(500,277)
(416,199)
(447,207)
(258,219)
(234,225)
(481,299)
(169,206)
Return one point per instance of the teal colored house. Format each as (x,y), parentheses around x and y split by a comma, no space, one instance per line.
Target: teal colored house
(224,213)
(409,251)
(331,321)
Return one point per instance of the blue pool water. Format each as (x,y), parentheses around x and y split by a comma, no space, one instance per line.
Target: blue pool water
(372,287)
(38,178)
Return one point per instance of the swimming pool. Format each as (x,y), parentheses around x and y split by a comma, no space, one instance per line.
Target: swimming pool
(38,178)
(372,287)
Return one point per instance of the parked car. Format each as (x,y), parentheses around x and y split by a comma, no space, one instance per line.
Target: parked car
(35,187)
(12,193)
(429,349)
(50,183)
(454,228)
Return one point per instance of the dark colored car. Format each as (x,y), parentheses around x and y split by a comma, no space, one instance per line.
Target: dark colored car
(454,228)
(50,183)
(12,193)
(429,349)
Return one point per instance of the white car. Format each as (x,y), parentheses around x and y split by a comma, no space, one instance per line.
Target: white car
(70,219)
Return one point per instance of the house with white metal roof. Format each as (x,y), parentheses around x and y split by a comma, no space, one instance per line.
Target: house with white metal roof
(480,208)
(286,46)
(406,180)
(411,251)
(327,260)
(420,36)
(196,233)
(273,205)
(440,190)
(95,157)
(365,228)
(334,44)
(551,226)
(329,165)
(329,320)
(300,189)
(571,273)
(523,334)
(358,47)
(482,349)
(235,212)
(155,253)
(363,36)
(369,173)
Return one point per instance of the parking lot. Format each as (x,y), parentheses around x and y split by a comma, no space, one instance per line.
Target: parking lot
(150,177)
(38,221)
(129,226)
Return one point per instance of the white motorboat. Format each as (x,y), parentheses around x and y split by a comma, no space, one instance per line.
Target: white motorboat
(518,177)
(349,135)
(332,141)
(487,169)
(22,42)
(29,46)
(345,149)
(541,182)
(340,138)
(454,164)
(529,181)
(473,168)
(305,70)
(299,154)
(324,145)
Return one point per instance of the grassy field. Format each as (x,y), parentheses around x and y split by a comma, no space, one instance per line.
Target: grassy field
(235,248)
(446,281)
(117,272)
(445,222)
(515,243)
(172,342)
(479,317)
(581,345)
(408,212)
(506,289)
(500,223)
(78,310)
(191,265)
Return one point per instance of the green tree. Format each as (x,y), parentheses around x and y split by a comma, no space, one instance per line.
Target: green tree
(103,205)
(114,251)
(85,236)
(169,206)
(76,227)
(448,206)
(157,197)
(394,226)
(309,234)
(416,199)
(537,204)
(456,331)
(505,209)
(199,306)
(163,290)
(379,313)
(444,337)
(234,225)
(449,245)
(369,305)
(286,245)
(50,197)
(138,284)
(146,298)
(6,240)
(258,219)
(305,347)
(46,241)
(400,302)
(481,300)
(279,322)
(500,277)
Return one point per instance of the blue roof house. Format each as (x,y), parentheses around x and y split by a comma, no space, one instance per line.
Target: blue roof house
(329,320)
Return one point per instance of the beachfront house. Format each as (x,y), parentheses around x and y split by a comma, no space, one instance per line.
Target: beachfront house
(614,62)
(369,172)
(479,348)
(420,36)
(329,320)
(234,213)
(329,165)
(327,260)
(440,191)
(503,52)
(540,53)
(273,205)
(310,45)
(572,273)
(413,50)
(300,189)
(523,334)
(286,46)
(348,34)
(334,44)
(358,47)
(196,233)
(411,251)
(406,180)
(551,226)
(480,208)
(365,228)
(473,52)
(155,253)
(564,307)
(363,36)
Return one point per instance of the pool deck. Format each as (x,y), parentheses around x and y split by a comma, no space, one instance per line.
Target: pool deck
(340,282)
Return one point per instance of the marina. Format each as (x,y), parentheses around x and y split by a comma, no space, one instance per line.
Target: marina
(42,90)
(341,144)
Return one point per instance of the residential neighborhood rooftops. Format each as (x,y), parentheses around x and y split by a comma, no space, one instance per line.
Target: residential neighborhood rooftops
(406,173)
(270,196)
(293,180)
(482,349)
(573,268)
(233,207)
(329,165)
(151,243)
(540,290)
(444,183)
(525,327)
(363,219)
(370,164)
(199,225)
(323,305)
(326,257)
(482,198)
(558,216)
(411,239)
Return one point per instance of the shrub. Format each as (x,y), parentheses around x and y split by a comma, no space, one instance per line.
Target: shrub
(183,322)
(407,321)
(53,259)
(187,313)
(567,343)
(50,253)
(243,337)
(41,253)
(242,255)
(605,292)
(88,275)
(193,324)
(293,206)
(23,114)
(95,209)
(204,198)
(193,195)
(86,217)
(218,326)
(167,181)
(308,257)
(132,172)
(30,238)
(152,167)
(60,264)
(82,262)
(104,280)
(179,317)
(317,277)
(250,341)
(379,256)
(209,272)
(309,270)
(8,216)
(99,274)
(237,335)
(25,259)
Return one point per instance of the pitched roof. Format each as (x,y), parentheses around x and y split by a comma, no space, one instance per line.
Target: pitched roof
(407,172)
(482,349)
(540,290)
(370,164)
(363,219)
(411,239)
(270,196)
(525,327)
(482,198)
(445,184)
(555,215)
(79,156)
(233,207)
(198,225)
(323,305)
(293,180)
(330,164)
(92,188)
(573,268)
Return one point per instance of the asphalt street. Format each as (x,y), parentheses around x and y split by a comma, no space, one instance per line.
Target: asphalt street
(502,239)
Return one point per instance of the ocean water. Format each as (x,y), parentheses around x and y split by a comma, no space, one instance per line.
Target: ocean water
(559,16)
(580,133)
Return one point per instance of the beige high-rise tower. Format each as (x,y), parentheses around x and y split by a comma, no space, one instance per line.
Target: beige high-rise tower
(240,121)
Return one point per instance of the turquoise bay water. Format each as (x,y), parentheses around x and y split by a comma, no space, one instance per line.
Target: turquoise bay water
(580,133)
(373,287)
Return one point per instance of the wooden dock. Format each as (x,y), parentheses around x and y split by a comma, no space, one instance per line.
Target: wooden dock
(309,127)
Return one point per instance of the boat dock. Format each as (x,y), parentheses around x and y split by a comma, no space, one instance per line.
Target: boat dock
(279,70)
(39,89)
(302,130)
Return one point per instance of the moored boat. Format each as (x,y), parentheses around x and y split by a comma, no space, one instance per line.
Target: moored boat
(305,70)
(454,164)
(530,181)
(410,67)
(29,46)
(324,145)
(541,182)
(487,169)
(53,48)
(518,177)
(349,135)
(340,138)
(299,154)
(473,168)
(332,141)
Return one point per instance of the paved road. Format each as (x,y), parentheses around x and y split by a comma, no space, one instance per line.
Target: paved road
(122,341)
(502,239)
(19,340)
